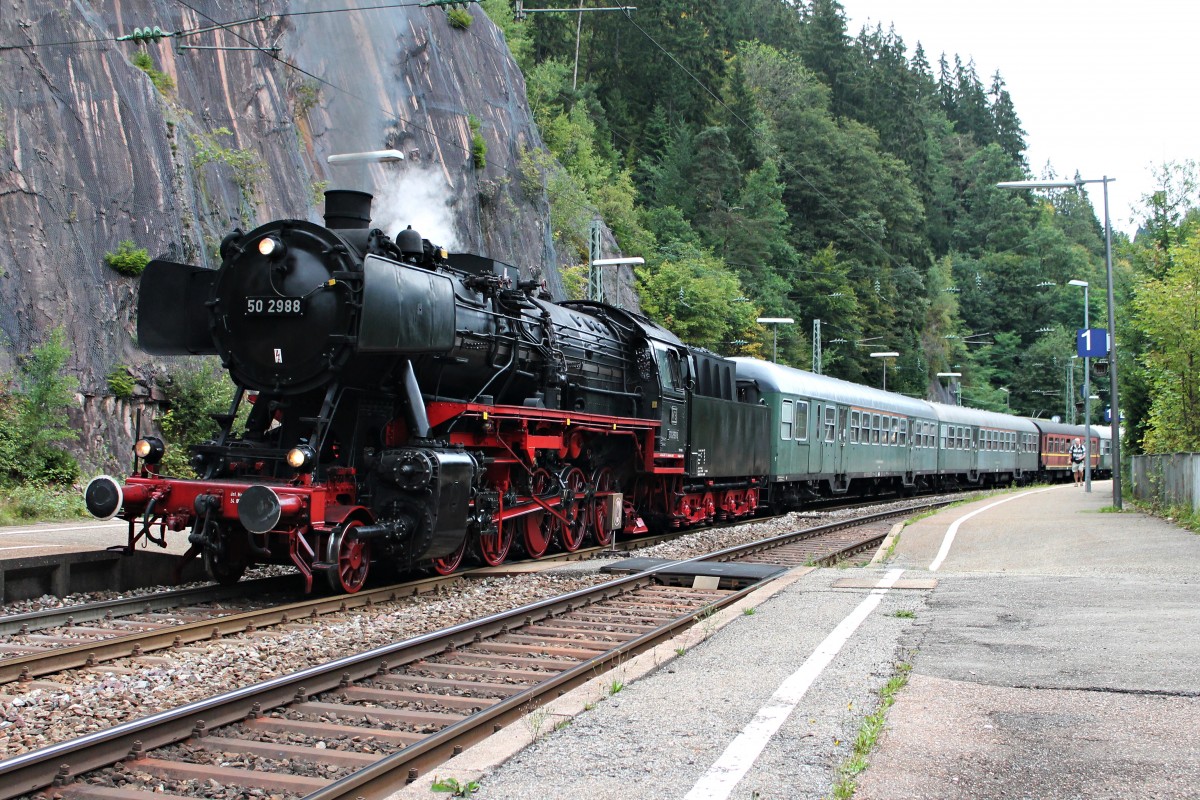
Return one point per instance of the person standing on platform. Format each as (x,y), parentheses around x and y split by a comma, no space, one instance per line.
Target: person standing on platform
(1077,453)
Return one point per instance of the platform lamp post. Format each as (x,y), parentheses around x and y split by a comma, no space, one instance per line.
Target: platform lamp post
(1087,397)
(957,376)
(775,322)
(1112,323)
(885,356)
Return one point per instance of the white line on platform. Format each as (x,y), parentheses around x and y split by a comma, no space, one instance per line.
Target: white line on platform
(32,546)
(40,529)
(731,767)
(952,531)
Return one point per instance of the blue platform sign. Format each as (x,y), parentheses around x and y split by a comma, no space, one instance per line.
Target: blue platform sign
(1091,342)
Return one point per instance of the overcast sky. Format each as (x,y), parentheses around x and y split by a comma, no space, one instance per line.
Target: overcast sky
(1101,87)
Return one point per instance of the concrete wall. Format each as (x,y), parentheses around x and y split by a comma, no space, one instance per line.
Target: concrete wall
(1168,480)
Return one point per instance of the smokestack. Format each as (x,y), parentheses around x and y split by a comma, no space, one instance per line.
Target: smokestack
(347,209)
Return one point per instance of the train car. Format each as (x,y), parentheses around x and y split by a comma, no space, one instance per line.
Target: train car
(1055,438)
(411,407)
(831,437)
(984,448)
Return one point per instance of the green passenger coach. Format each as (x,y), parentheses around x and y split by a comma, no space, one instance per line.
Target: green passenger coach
(831,437)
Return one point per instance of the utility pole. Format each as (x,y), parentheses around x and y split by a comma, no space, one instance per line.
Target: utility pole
(816,365)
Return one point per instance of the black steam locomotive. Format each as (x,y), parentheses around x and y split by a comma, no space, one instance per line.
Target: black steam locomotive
(411,407)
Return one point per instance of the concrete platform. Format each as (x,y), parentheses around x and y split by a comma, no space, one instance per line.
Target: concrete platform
(1053,652)
(64,557)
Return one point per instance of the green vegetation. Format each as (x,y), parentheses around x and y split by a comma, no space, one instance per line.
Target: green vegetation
(868,734)
(815,173)
(905,613)
(36,473)
(316,192)
(121,382)
(478,145)
(128,259)
(748,612)
(517,35)
(459,18)
(245,165)
(163,82)
(615,686)
(455,788)
(19,504)
(193,393)
(1183,516)
(308,94)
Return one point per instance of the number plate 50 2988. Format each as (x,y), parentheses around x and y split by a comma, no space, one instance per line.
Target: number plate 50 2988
(274,306)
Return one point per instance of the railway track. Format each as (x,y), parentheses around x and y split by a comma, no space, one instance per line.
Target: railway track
(363,725)
(39,643)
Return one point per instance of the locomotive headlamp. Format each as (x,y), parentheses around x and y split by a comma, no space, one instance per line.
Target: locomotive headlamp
(271,247)
(150,449)
(302,458)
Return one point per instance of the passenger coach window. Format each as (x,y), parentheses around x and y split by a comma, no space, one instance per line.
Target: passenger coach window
(830,423)
(903,433)
(785,420)
(802,420)
(874,429)
(854,419)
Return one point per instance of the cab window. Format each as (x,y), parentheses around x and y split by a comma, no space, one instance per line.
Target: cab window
(669,371)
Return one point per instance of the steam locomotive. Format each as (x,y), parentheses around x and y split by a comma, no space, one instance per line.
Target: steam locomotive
(410,407)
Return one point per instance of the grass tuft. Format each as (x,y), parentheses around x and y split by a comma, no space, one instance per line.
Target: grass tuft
(22,504)
(868,735)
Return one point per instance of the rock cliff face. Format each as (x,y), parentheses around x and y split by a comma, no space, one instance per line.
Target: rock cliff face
(94,150)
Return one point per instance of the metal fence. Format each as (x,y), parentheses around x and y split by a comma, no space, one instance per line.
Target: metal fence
(1168,480)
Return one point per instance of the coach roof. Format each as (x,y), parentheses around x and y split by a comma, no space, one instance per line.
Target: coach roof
(961,415)
(776,378)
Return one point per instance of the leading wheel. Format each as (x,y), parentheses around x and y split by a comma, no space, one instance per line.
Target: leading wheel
(351,559)
(221,568)
(224,562)
(574,508)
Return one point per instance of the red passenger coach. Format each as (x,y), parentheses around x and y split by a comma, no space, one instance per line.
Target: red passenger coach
(1055,448)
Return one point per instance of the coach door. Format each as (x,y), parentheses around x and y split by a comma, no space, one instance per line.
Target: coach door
(827,453)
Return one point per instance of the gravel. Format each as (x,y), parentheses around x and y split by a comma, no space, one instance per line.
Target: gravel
(82,701)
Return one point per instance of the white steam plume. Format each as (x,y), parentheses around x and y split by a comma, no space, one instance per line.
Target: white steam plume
(420,198)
